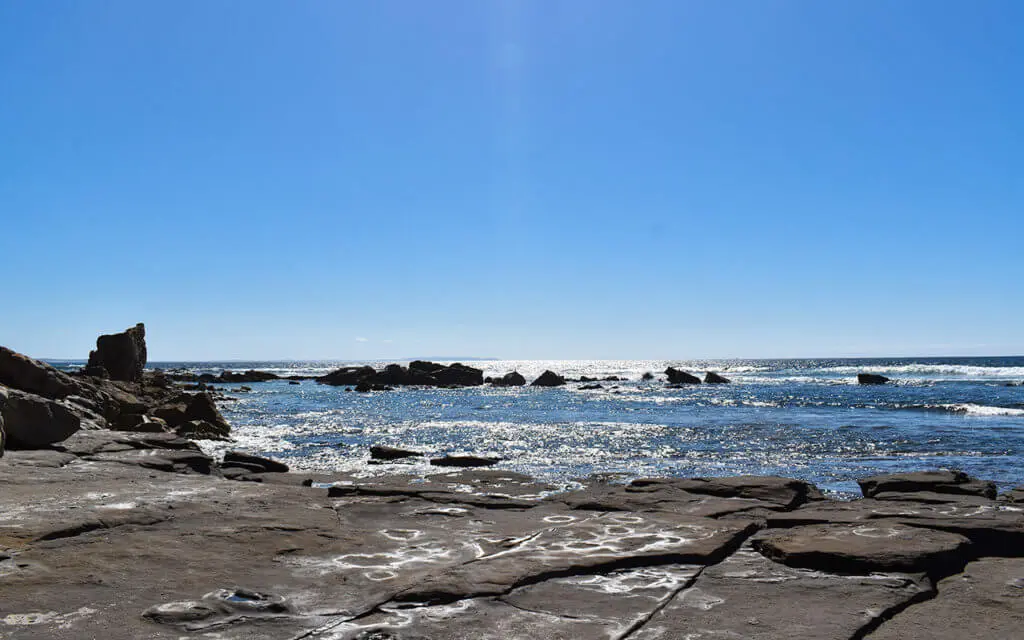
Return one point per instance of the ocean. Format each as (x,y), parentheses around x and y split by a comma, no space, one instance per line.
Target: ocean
(805,418)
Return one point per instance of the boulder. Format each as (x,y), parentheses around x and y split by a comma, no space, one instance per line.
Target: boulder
(140,422)
(202,407)
(943,481)
(425,366)
(675,376)
(202,430)
(123,355)
(464,461)
(548,379)
(23,373)
(347,376)
(713,378)
(871,378)
(460,375)
(384,452)
(647,376)
(248,376)
(510,379)
(262,465)
(32,422)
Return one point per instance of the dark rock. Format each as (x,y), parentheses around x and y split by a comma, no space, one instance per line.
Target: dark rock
(510,379)
(425,366)
(202,430)
(459,374)
(675,376)
(384,452)
(871,378)
(548,379)
(294,382)
(587,379)
(123,355)
(347,376)
(786,493)
(464,461)
(612,379)
(647,376)
(20,372)
(864,548)
(265,465)
(202,407)
(590,387)
(713,378)
(32,422)
(172,414)
(140,422)
(945,481)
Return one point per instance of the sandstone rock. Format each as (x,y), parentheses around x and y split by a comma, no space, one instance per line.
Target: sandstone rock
(31,421)
(464,461)
(783,493)
(511,379)
(202,407)
(871,378)
(264,465)
(140,422)
(123,355)
(675,376)
(713,378)
(384,452)
(879,545)
(943,481)
(548,379)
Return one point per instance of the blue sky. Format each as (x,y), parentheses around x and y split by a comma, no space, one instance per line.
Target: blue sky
(547,179)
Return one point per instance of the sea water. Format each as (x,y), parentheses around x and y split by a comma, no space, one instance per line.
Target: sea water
(801,418)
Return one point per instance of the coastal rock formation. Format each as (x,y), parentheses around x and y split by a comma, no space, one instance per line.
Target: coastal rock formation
(871,378)
(464,461)
(384,452)
(20,372)
(418,372)
(510,379)
(711,377)
(945,481)
(31,421)
(121,355)
(253,463)
(675,376)
(548,379)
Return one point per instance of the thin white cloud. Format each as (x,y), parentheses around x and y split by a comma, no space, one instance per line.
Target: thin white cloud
(361,339)
(387,341)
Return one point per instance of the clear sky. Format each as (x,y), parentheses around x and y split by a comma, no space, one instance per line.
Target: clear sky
(545,179)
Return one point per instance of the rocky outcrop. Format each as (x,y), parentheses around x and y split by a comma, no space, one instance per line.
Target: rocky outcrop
(871,378)
(385,453)
(711,377)
(675,376)
(548,379)
(121,355)
(941,482)
(510,379)
(419,372)
(21,372)
(254,463)
(464,461)
(31,421)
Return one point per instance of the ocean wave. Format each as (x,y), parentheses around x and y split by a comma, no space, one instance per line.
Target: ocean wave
(960,371)
(982,410)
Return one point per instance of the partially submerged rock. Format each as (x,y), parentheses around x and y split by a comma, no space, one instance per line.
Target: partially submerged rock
(464,461)
(385,452)
(510,379)
(711,377)
(871,378)
(675,376)
(548,379)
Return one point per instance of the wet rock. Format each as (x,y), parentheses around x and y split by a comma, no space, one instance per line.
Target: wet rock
(247,376)
(294,382)
(548,379)
(202,430)
(590,387)
(879,545)
(31,421)
(263,465)
(782,493)
(942,481)
(711,377)
(122,355)
(218,608)
(347,376)
(511,379)
(871,378)
(647,376)
(675,376)
(464,461)
(384,452)
(202,407)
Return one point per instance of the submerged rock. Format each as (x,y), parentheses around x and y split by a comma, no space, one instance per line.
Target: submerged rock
(548,379)
(122,355)
(675,376)
(871,378)
(384,452)
(464,461)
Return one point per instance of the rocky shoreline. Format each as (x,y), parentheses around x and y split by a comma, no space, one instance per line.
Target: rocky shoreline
(116,525)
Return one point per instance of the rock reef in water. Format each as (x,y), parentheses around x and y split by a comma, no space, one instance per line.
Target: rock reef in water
(418,372)
(871,378)
(548,379)
(675,376)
